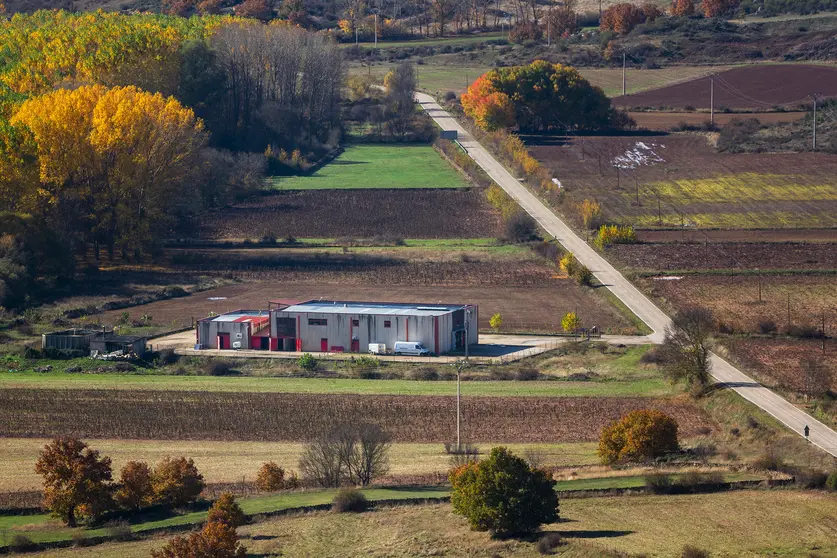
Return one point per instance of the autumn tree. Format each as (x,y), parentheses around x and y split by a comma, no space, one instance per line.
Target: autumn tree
(682,8)
(76,480)
(496,321)
(255,9)
(591,212)
(570,322)
(718,8)
(542,95)
(637,436)
(176,481)
(687,346)
(503,495)
(442,11)
(651,12)
(135,490)
(226,510)
(294,12)
(621,18)
(563,20)
(216,540)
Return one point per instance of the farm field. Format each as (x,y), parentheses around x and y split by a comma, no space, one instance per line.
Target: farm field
(533,308)
(753,235)
(746,523)
(433,213)
(694,185)
(761,86)
(234,462)
(738,256)
(666,121)
(377,166)
(735,299)
(195,415)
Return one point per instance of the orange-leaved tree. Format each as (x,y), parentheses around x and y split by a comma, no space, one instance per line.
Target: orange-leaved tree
(490,109)
(176,481)
(718,8)
(135,490)
(215,540)
(621,18)
(680,8)
(638,436)
(76,479)
(226,510)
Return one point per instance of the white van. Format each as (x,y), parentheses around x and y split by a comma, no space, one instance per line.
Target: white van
(410,348)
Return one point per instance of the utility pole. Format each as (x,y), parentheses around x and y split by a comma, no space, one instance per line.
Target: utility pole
(467,315)
(458,404)
(636,181)
(823,331)
(789,316)
(376,29)
(814,140)
(712,99)
(548,28)
(624,89)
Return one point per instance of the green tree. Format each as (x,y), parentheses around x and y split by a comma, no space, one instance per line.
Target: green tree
(504,495)
(76,479)
(687,347)
(639,435)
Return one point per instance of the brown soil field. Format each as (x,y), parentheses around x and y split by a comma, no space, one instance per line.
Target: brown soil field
(735,299)
(300,417)
(771,235)
(746,87)
(665,121)
(682,180)
(530,308)
(425,213)
(776,361)
(726,255)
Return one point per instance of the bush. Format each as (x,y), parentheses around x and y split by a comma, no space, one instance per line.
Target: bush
(166,356)
(176,481)
(424,374)
(521,227)
(527,374)
(480,492)
(307,362)
(690,551)
(21,543)
(693,481)
(614,234)
(767,462)
(449,97)
(226,510)
(119,530)
(218,368)
(271,477)
(638,436)
(80,539)
(767,326)
(831,481)
(549,542)
(350,500)
(659,483)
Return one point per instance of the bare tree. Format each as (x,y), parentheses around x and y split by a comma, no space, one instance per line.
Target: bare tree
(349,452)
(321,463)
(369,454)
(815,380)
(686,348)
(401,106)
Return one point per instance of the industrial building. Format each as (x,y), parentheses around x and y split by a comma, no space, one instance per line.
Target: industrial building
(241,329)
(342,326)
(103,342)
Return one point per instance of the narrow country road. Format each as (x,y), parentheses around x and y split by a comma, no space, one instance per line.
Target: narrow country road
(723,372)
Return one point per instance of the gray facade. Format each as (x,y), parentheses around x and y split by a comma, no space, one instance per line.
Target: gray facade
(77,339)
(106,343)
(337,326)
(242,329)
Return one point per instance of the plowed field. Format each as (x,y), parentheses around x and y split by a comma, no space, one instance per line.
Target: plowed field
(681,180)
(665,121)
(425,213)
(776,362)
(747,87)
(300,417)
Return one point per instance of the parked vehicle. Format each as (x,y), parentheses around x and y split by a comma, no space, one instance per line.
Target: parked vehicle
(410,348)
(377,349)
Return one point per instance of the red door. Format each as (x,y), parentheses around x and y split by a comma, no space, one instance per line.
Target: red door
(355,345)
(223,340)
(324,345)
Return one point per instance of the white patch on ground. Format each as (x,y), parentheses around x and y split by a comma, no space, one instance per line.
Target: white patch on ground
(217,298)
(667,278)
(640,155)
(557,182)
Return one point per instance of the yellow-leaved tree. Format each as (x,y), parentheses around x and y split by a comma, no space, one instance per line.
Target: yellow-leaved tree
(127,157)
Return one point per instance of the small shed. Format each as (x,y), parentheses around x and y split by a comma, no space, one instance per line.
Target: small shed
(71,339)
(106,343)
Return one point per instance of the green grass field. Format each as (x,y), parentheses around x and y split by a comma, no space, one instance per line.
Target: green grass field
(378,166)
(432,41)
(642,387)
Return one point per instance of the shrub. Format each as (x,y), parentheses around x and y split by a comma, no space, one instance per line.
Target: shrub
(350,500)
(307,362)
(521,227)
(659,483)
(768,461)
(496,321)
(591,212)
(767,326)
(80,539)
(449,97)
(549,542)
(119,530)
(135,490)
(271,477)
(831,481)
(614,234)
(424,374)
(480,493)
(575,269)
(527,374)
(166,356)
(638,436)
(690,551)
(693,481)
(176,481)
(215,539)
(226,510)
(21,543)
(218,368)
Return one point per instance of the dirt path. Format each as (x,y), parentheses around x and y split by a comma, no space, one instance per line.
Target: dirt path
(723,372)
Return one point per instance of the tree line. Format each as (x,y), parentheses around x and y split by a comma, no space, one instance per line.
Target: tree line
(114,128)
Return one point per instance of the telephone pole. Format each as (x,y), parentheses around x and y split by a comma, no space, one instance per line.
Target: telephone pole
(624,90)
(712,99)
(376,30)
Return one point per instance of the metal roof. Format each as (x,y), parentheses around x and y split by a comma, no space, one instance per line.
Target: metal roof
(373,308)
(241,316)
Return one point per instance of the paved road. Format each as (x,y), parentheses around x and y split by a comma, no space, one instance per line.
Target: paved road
(647,311)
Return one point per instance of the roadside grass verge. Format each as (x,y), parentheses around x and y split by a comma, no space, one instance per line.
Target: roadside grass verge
(377,166)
